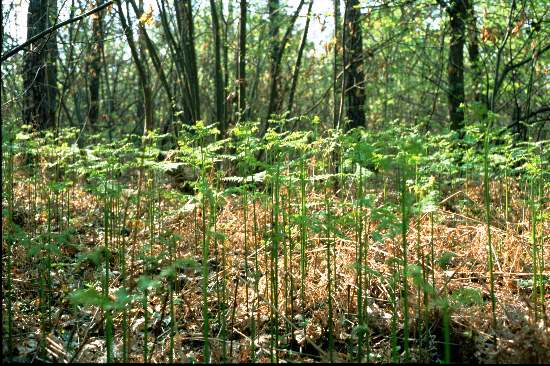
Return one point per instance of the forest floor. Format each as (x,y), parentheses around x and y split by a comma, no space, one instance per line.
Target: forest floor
(460,244)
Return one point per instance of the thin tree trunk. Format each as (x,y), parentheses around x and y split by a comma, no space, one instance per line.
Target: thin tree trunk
(68,69)
(473,50)
(354,69)
(336,66)
(274,24)
(241,75)
(182,87)
(184,17)
(108,97)
(455,73)
(225,48)
(52,55)
(157,64)
(298,63)
(258,67)
(218,78)
(94,67)
(276,53)
(142,72)
(142,50)
(40,72)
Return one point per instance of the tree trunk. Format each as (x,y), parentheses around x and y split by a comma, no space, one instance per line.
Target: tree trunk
(51,64)
(274,23)
(353,61)
(142,72)
(176,50)
(142,49)
(94,67)
(241,73)
(277,51)
(455,73)
(225,47)
(218,78)
(336,66)
(40,72)
(184,17)
(473,50)
(157,64)
(298,63)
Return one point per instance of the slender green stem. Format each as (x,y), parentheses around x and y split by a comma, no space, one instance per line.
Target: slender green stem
(205,257)
(328,226)
(108,312)
(487,199)
(303,232)
(255,321)
(404,228)
(10,242)
(275,243)
(359,267)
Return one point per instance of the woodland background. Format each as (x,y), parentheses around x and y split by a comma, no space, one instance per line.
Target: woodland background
(305,180)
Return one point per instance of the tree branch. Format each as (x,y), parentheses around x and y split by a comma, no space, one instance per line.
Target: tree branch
(544,109)
(527,117)
(510,67)
(52,29)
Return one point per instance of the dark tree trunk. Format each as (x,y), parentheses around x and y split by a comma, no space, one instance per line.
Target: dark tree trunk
(184,15)
(241,73)
(141,69)
(298,63)
(353,61)
(336,66)
(40,72)
(455,73)
(473,50)
(182,86)
(227,21)
(274,23)
(218,78)
(94,67)
(51,65)
(276,54)
(142,49)
(157,64)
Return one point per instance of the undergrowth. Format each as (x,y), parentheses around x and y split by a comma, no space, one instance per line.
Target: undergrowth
(371,246)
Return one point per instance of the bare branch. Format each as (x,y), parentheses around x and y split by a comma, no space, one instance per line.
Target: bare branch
(52,29)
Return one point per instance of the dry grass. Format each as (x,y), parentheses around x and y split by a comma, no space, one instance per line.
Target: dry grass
(457,229)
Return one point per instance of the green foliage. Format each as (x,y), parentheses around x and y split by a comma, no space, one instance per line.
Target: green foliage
(446,259)
(91,297)
(468,297)
(385,179)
